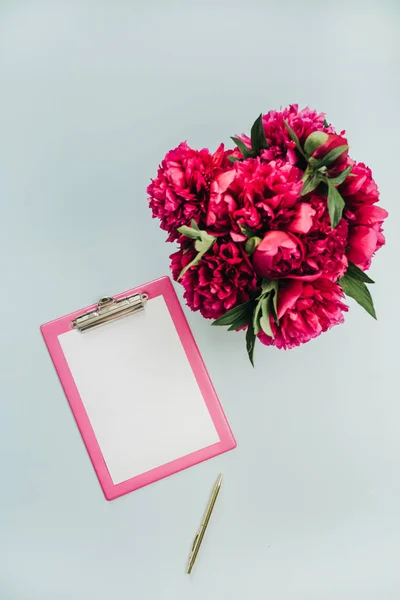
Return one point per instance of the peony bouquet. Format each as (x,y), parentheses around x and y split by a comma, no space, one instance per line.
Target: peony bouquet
(273,234)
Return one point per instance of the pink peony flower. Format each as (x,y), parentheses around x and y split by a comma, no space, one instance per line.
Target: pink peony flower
(325,248)
(283,255)
(221,280)
(359,188)
(327,253)
(252,194)
(364,218)
(305,310)
(181,189)
(303,122)
(366,234)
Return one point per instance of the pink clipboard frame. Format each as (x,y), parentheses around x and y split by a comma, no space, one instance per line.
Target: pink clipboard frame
(159,287)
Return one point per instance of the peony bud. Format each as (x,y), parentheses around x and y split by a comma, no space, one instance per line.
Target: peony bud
(251,245)
(331,148)
(314,141)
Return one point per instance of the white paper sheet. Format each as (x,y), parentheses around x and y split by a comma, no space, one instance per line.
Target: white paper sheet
(139,391)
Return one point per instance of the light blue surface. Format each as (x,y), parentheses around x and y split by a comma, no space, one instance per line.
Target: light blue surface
(92,96)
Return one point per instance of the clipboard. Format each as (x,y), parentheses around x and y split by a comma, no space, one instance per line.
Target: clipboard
(138,388)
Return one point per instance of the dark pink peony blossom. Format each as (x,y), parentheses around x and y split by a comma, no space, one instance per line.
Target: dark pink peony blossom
(325,248)
(320,253)
(365,220)
(366,234)
(305,310)
(359,188)
(327,253)
(221,280)
(303,122)
(252,194)
(181,189)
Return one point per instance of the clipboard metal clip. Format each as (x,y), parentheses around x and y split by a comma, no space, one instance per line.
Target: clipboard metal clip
(108,309)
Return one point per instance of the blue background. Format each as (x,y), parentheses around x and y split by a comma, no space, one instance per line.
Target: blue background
(92,96)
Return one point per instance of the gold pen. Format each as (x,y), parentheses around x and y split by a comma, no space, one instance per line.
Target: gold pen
(200,534)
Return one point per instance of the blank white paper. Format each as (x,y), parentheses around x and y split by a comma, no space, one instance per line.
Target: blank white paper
(139,391)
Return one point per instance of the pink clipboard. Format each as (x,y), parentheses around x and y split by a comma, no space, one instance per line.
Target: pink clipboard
(159,427)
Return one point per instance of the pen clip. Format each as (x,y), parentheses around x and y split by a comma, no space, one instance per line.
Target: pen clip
(193,552)
(195,541)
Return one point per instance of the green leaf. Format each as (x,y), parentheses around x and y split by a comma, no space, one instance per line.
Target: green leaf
(294,138)
(234,159)
(341,177)
(275,304)
(251,245)
(355,273)
(358,290)
(310,184)
(267,285)
(328,158)
(246,230)
(247,153)
(193,263)
(202,244)
(243,318)
(190,232)
(256,317)
(264,321)
(250,342)
(240,322)
(326,124)
(205,242)
(335,205)
(258,140)
(232,315)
